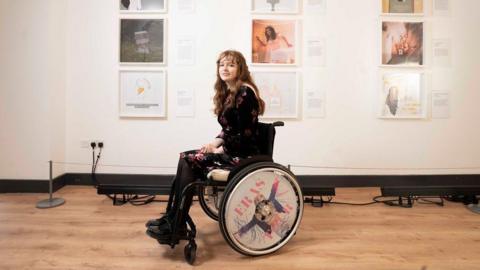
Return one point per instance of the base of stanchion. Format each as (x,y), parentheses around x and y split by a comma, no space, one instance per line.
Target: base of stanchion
(474,208)
(47,203)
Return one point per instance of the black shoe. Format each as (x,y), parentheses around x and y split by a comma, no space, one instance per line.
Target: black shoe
(164,231)
(157,222)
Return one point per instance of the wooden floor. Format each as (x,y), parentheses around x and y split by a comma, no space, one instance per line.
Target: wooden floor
(88,232)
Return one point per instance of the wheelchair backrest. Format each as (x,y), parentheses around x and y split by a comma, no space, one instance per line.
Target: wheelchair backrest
(266,137)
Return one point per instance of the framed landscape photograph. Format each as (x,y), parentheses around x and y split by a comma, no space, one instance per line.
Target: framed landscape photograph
(403,7)
(142,93)
(142,41)
(402,95)
(402,43)
(275,6)
(274,42)
(279,90)
(143,6)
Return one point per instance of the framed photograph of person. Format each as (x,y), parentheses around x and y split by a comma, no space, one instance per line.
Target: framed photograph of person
(402,95)
(274,42)
(402,43)
(274,6)
(279,90)
(142,41)
(143,6)
(142,93)
(402,7)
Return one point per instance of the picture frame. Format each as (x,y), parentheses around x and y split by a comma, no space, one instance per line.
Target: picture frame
(142,6)
(402,43)
(402,95)
(403,7)
(280,91)
(274,6)
(142,93)
(142,41)
(274,42)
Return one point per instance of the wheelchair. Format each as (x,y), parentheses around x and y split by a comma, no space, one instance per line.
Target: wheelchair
(258,204)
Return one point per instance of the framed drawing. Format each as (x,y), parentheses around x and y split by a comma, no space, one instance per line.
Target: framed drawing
(274,6)
(142,41)
(279,90)
(143,6)
(274,42)
(402,43)
(402,95)
(142,93)
(403,7)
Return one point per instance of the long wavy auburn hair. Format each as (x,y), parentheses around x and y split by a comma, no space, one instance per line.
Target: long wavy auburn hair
(225,98)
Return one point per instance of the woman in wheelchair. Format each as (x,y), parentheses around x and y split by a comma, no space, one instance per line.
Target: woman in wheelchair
(237,104)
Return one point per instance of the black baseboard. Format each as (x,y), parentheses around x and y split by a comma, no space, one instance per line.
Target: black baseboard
(312,185)
(31,185)
(431,191)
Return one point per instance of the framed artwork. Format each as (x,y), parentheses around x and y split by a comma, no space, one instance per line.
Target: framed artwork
(142,93)
(274,42)
(403,7)
(402,43)
(143,6)
(402,95)
(142,41)
(274,6)
(279,90)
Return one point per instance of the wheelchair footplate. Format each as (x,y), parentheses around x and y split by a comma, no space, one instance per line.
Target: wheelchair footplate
(172,239)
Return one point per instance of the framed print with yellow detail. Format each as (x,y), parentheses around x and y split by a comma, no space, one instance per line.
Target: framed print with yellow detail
(142,93)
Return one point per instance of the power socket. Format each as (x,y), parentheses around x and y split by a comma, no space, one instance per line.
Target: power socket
(99,143)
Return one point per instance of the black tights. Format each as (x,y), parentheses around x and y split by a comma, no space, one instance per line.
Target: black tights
(185,176)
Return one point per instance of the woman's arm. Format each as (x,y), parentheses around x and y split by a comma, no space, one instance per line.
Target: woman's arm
(261,42)
(247,105)
(216,146)
(286,42)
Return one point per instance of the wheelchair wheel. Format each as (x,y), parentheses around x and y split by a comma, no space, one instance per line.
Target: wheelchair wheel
(209,198)
(261,209)
(190,252)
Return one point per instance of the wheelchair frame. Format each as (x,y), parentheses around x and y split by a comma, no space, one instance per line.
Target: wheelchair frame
(265,214)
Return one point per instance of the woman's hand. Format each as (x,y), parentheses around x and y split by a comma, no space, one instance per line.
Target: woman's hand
(207,148)
(210,148)
(219,150)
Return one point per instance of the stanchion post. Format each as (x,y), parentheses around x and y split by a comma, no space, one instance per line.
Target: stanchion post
(50,202)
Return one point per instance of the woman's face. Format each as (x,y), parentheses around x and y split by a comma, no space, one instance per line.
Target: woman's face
(268,32)
(228,69)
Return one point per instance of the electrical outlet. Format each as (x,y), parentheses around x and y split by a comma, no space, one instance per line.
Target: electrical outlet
(98,141)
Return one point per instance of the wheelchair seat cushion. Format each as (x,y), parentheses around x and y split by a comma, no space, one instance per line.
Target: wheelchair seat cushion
(220,175)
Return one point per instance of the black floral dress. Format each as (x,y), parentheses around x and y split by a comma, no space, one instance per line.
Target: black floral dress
(239,133)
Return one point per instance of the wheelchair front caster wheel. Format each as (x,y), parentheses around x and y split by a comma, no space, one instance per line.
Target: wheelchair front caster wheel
(190,252)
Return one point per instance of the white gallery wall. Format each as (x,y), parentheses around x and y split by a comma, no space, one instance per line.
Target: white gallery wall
(32,88)
(59,89)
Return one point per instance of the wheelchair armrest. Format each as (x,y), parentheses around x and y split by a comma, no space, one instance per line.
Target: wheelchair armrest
(248,161)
